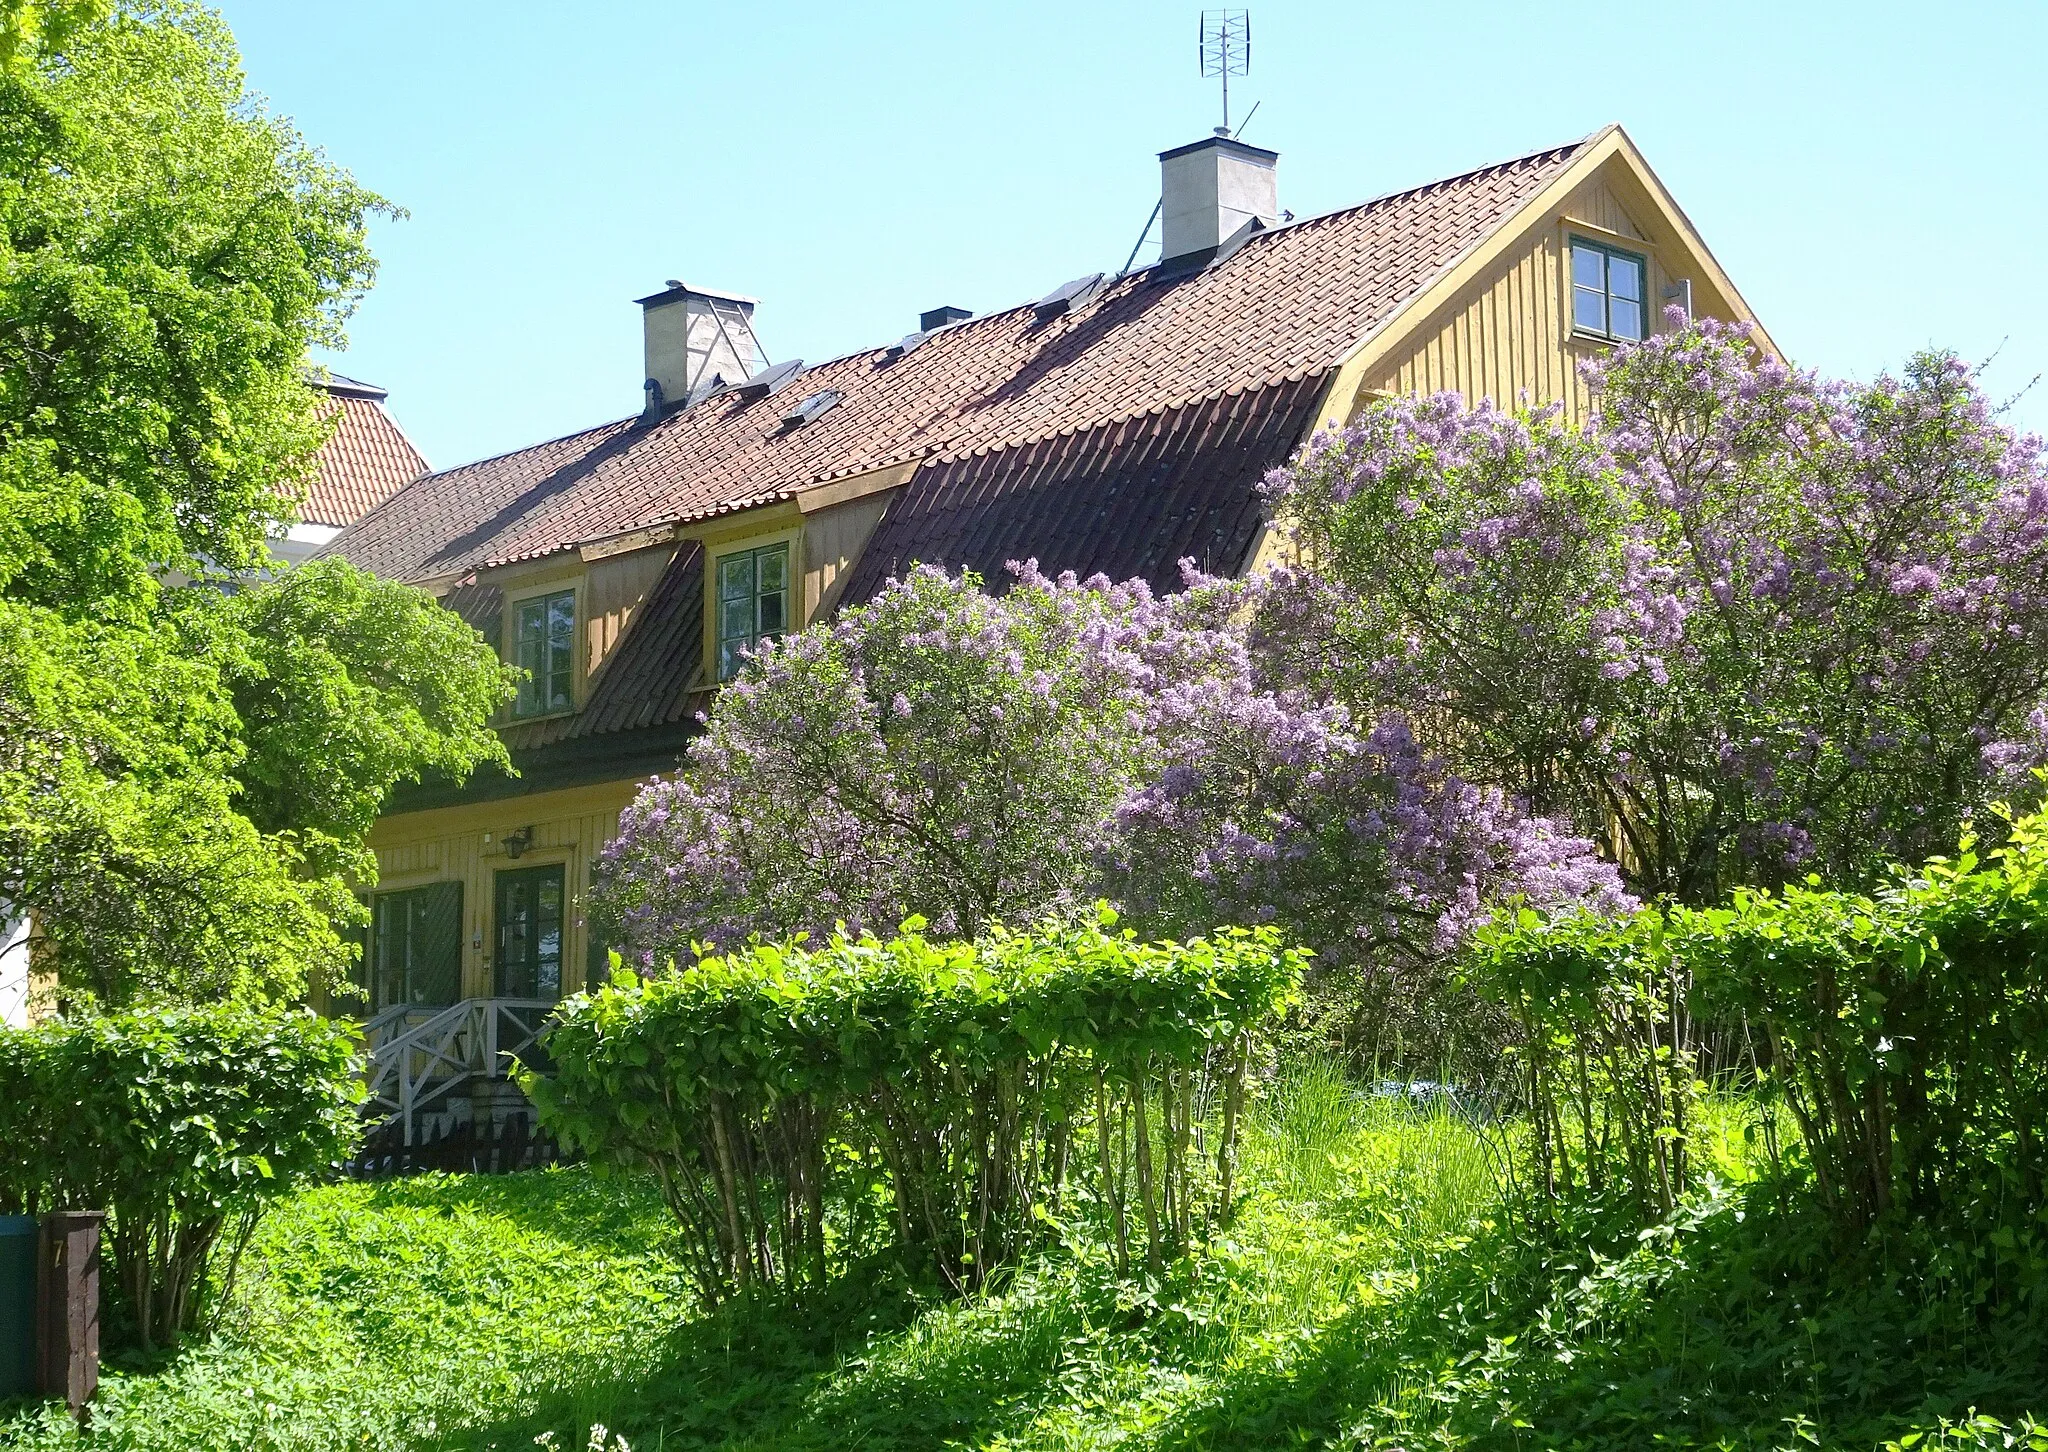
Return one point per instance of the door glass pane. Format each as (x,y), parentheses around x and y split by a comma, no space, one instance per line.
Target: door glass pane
(437,965)
(548,935)
(416,946)
(529,932)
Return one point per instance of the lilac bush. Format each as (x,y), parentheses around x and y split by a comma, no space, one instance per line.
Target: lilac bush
(940,752)
(1744,625)
(975,759)
(1267,807)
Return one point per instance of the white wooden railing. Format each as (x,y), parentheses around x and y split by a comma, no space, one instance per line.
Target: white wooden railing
(418,1057)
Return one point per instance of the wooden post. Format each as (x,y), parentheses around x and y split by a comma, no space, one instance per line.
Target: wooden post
(68,1307)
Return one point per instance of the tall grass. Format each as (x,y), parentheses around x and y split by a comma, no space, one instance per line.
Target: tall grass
(1376,1288)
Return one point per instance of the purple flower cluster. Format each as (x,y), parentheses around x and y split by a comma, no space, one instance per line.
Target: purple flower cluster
(974,758)
(1748,619)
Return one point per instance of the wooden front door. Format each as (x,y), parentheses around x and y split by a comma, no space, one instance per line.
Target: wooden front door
(529,928)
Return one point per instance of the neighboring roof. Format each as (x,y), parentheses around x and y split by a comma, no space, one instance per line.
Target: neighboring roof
(1129,499)
(1287,306)
(365,461)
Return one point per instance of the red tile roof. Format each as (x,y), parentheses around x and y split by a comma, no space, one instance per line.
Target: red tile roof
(364,462)
(1130,500)
(1287,306)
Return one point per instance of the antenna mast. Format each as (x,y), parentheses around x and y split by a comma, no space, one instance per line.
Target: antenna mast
(1226,50)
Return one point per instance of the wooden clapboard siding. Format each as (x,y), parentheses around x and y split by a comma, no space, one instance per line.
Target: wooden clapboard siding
(1596,205)
(1503,339)
(617,587)
(466,844)
(833,539)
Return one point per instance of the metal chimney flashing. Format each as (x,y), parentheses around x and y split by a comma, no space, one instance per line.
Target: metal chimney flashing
(1069,296)
(771,380)
(1227,146)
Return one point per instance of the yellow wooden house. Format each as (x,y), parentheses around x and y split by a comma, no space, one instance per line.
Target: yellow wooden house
(1118,423)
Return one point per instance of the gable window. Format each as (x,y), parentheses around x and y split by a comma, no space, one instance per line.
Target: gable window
(1608,288)
(753,603)
(544,645)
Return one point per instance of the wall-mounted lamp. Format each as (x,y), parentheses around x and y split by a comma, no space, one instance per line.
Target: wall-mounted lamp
(517,842)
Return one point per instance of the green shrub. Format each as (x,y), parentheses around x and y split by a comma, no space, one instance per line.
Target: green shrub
(1904,1033)
(183,1123)
(803,1105)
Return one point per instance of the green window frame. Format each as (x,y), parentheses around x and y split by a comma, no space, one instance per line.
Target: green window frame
(753,603)
(544,646)
(1610,291)
(414,953)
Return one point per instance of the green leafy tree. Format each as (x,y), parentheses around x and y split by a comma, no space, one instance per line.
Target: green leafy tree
(373,680)
(168,254)
(185,778)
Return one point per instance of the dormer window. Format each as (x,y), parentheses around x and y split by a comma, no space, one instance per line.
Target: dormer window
(753,603)
(544,646)
(1608,288)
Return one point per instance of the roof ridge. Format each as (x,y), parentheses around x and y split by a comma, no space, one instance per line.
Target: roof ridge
(529,448)
(1559,151)
(404,437)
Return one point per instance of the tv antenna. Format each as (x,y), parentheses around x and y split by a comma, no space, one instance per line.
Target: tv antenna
(1226,50)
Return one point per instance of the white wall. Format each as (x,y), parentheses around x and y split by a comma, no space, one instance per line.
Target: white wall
(13,970)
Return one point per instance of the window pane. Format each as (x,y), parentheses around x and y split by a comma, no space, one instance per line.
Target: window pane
(562,614)
(771,614)
(1625,278)
(735,619)
(527,655)
(729,661)
(1589,267)
(1589,310)
(736,577)
(773,564)
(1628,320)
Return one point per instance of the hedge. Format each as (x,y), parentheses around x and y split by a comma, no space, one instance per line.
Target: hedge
(802,1105)
(183,1123)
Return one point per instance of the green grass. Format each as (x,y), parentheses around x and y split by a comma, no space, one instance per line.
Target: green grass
(1374,1291)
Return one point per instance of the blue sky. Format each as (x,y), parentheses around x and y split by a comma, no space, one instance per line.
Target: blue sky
(1871,175)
